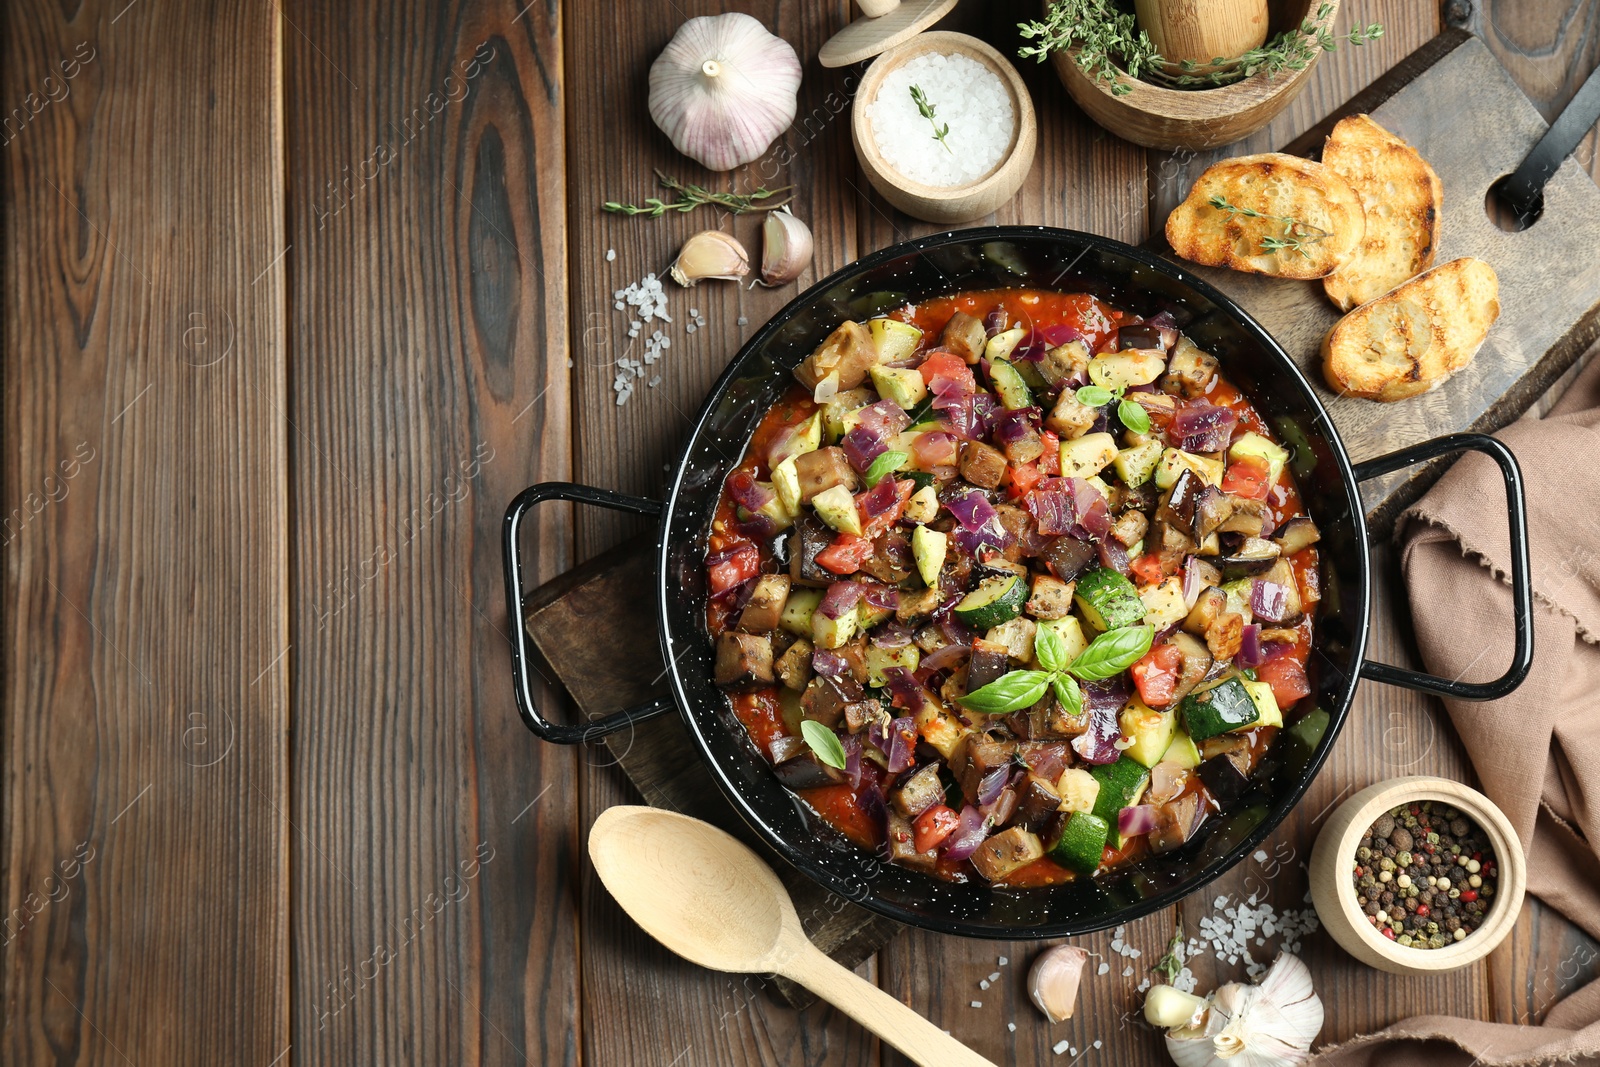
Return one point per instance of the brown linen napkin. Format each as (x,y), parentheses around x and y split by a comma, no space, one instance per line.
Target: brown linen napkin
(1537,751)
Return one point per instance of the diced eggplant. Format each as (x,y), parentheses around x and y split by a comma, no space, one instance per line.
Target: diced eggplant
(891,561)
(1161,404)
(1209,606)
(825,698)
(1296,534)
(1226,776)
(917,604)
(1177,822)
(1170,544)
(1177,509)
(982,465)
(860,714)
(1252,557)
(1130,528)
(921,791)
(1026,448)
(1282,573)
(1017,523)
(1069,557)
(982,755)
(930,639)
(1225,635)
(811,536)
(1037,802)
(1207,572)
(1064,363)
(902,845)
(854,654)
(1139,336)
(1004,807)
(848,353)
(990,660)
(997,564)
(765,606)
(1194,665)
(1249,517)
(1190,371)
(1007,852)
(822,470)
(1230,744)
(1069,419)
(794,666)
(955,686)
(1051,599)
(1212,508)
(743,660)
(965,336)
(799,768)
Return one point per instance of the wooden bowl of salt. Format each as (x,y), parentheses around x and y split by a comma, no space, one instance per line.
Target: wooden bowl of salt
(971,155)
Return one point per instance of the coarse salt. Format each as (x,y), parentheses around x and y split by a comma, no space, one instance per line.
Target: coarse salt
(966,96)
(1060,1046)
(977,1003)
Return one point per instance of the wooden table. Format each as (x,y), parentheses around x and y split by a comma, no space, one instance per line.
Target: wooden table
(296,298)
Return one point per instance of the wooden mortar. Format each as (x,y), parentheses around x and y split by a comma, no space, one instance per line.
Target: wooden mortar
(1200,31)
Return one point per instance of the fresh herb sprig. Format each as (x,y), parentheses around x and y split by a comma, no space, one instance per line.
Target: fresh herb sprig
(690,196)
(1107,39)
(1107,656)
(1296,234)
(1170,964)
(927,110)
(824,742)
(1130,413)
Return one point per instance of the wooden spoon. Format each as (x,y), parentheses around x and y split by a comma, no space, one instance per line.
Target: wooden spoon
(707,897)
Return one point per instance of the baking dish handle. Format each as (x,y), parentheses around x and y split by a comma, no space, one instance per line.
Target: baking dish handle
(522,667)
(1521,583)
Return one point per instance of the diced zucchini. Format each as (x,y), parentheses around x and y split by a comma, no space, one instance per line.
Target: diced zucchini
(837,508)
(1135,465)
(833,633)
(1100,485)
(786,483)
(1121,785)
(1107,599)
(879,660)
(928,548)
(996,600)
(775,508)
(1239,593)
(1217,710)
(903,385)
(1009,386)
(1088,455)
(1002,344)
(1082,843)
(797,611)
(1174,461)
(1017,637)
(923,505)
(1164,604)
(940,729)
(895,340)
(838,408)
(1266,703)
(1150,731)
(1253,444)
(1030,375)
(1182,751)
(1125,369)
(1071,633)
(1078,789)
(868,616)
(808,438)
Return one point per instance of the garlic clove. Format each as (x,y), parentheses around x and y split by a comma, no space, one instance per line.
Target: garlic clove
(786,248)
(1270,1024)
(1171,1008)
(1053,981)
(724,89)
(710,254)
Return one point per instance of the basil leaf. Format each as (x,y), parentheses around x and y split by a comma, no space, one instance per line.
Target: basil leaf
(1067,692)
(1049,649)
(1113,652)
(886,463)
(1009,692)
(824,742)
(1093,396)
(1134,416)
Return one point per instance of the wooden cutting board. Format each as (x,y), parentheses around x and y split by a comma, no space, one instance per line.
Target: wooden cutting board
(1457,104)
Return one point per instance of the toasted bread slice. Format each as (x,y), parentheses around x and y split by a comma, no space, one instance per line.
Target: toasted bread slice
(1403,199)
(1414,337)
(1328,226)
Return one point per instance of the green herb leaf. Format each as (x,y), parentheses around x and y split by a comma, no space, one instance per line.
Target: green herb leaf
(886,463)
(691,196)
(1067,692)
(1113,652)
(824,742)
(1093,396)
(1009,692)
(1049,649)
(1134,416)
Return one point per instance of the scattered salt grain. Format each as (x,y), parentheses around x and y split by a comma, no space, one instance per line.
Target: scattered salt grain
(977,1003)
(611,254)
(1060,1046)
(1012,1027)
(983,984)
(743,321)
(1104,967)
(1097,1042)
(995,977)
(966,96)
(1127,972)
(1260,855)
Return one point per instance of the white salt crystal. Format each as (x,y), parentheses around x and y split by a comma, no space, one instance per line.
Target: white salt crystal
(977,1003)
(995,977)
(611,253)
(1011,1027)
(966,96)
(983,984)
(1060,1046)
(1104,967)
(1004,961)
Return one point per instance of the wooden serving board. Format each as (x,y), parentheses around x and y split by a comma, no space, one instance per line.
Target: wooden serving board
(1452,100)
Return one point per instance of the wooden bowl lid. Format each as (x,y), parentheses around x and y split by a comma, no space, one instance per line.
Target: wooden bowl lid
(868,36)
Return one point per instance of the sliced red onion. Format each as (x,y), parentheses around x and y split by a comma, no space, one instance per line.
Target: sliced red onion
(892,634)
(787,443)
(1012,426)
(878,733)
(957,632)
(1270,601)
(880,499)
(969,833)
(874,807)
(1193,583)
(885,418)
(840,598)
(829,663)
(1250,653)
(971,509)
(862,446)
(986,408)
(902,741)
(735,597)
(1136,820)
(947,658)
(1114,556)
(1057,334)
(1089,508)
(905,692)
(783,748)
(749,493)
(1271,650)
(1050,504)
(990,785)
(1047,759)
(1103,701)
(852,759)
(1163,319)
(879,596)
(1200,426)
(1167,780)
(761,528)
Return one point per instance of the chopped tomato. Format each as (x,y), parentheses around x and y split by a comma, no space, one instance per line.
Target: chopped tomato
(932,450)
(1156,675)
(1022,477)
(873,525)
(1147,569)
(737,565)
(1247,477)
(933,826)
(940,364)
(1287,678)
(1050,461)
(846,555)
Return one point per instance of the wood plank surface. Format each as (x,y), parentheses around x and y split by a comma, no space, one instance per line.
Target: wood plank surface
(145,514)
(434,839)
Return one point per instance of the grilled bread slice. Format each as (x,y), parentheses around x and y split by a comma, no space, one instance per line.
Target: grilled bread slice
(1402,197)
(1271,198)
(1414,337)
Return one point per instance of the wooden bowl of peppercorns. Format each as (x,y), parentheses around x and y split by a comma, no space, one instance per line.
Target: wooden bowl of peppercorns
(1418,875)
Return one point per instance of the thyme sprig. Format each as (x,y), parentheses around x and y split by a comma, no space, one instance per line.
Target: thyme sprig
(690,196)
(1296,234)
(1170,964)
(927,110)
(1111,48)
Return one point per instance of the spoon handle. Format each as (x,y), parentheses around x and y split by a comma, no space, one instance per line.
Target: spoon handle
(876,1010)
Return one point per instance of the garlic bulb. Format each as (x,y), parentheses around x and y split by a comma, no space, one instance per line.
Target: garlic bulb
(710,254)
(1266,1025)
(724,89)
(1053,981)
(785,248)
